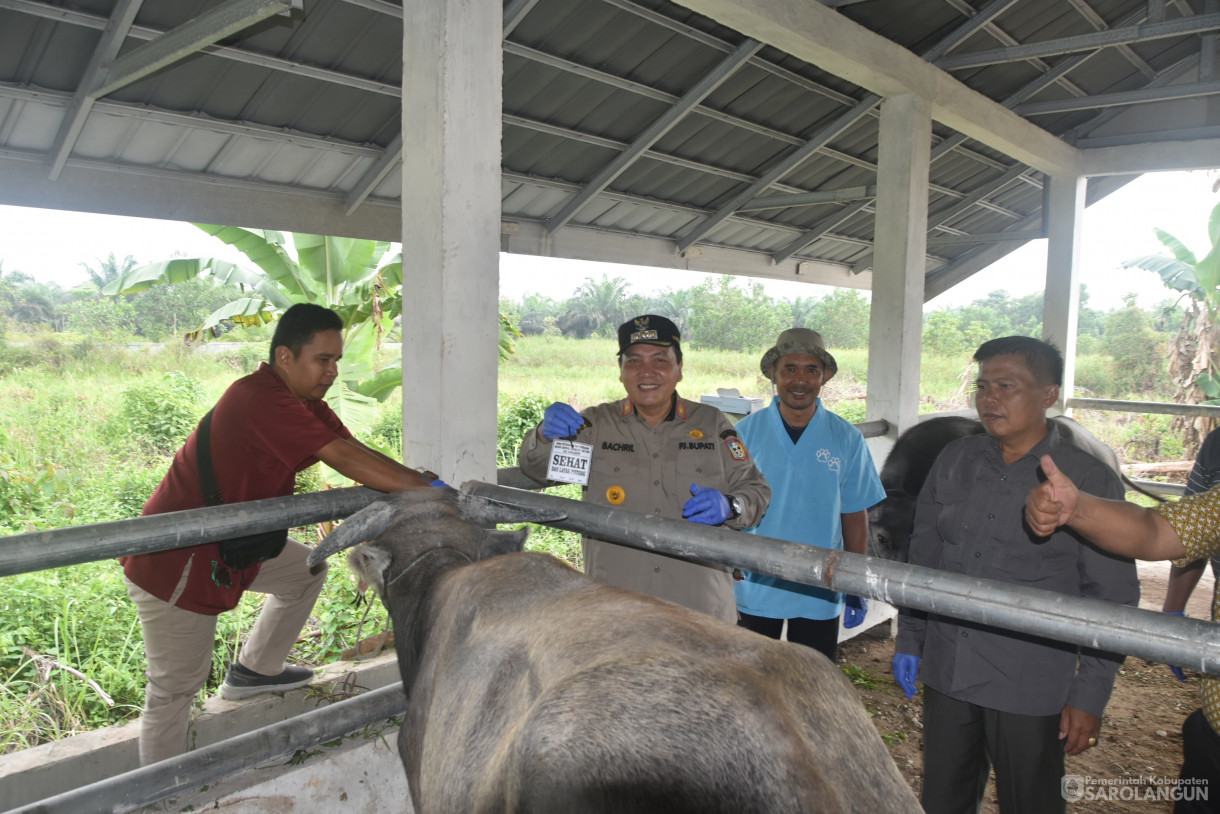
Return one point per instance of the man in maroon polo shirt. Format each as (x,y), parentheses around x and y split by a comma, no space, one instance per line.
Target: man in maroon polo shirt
(266,427)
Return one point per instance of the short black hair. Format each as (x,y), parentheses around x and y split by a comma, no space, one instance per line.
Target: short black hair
(1042,358)
(298,325)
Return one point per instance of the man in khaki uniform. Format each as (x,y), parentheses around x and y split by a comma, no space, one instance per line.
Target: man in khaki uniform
(656,453)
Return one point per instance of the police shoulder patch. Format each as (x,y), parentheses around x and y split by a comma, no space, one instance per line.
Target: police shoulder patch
(737,450)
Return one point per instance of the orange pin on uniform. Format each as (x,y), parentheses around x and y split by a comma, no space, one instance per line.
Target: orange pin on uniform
(616,495)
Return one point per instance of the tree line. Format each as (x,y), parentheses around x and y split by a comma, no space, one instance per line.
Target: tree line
(721,314)
(159,314)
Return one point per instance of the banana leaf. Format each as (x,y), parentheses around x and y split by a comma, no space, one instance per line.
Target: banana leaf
(249,312)
(266,250)
(1176,274)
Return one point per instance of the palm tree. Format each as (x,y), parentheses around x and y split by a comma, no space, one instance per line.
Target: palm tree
(1194,357)
(802,310)
(108,270)
(597,307)
(677,305)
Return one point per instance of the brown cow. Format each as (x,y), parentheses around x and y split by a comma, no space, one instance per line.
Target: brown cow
(532,688)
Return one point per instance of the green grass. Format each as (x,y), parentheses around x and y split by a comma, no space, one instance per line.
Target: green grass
(859,677)
(67,458)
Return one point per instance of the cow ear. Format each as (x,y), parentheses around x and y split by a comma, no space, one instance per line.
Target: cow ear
(370,564)
(495,543)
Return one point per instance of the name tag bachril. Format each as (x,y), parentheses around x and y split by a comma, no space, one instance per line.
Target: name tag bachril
(569,462)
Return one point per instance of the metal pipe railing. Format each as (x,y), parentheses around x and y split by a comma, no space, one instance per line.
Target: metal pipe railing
(1161,407)
(157,781)
(73,545)
(56,548)
(1171,639)
(1091,623)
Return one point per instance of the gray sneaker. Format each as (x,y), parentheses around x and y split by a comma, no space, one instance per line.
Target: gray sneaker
(242,682)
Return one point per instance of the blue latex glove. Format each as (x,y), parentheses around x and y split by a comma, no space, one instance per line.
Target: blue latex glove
(708,506)
(561,421)
(440,484)
(906,670)
(856,608)
(1177,671)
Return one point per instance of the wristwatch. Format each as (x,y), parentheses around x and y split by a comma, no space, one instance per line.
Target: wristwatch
(734,506)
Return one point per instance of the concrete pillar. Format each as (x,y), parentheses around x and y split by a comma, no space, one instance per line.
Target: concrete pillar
(452,53)
(898,270)
(1063,213)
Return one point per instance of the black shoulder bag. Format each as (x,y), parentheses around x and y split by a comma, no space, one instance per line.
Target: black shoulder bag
(240,552)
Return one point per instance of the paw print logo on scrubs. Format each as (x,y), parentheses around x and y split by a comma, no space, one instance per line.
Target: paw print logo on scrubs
(832,463)
(616,495)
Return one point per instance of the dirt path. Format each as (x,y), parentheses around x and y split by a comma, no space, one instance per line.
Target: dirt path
(1140,735)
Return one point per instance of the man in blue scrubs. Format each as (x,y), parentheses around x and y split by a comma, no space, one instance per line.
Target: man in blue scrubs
(823,482)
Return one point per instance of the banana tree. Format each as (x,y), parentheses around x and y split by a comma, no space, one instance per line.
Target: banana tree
(1194,357)
(344,274)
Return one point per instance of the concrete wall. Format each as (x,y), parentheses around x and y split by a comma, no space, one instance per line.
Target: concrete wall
(363,769)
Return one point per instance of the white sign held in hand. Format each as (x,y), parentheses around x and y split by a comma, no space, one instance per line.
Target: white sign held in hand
(569,462)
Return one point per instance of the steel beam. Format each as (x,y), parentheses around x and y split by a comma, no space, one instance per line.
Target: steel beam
(173,46)
(820,140)
(79,18)
(810,198)
(820,230)
(651,134)
(1099,23)
(390,158)
(514,13)
(108,45)
(1144,95)
(1198,24)
(781,168)
(1004,38)
(1165,77)
(990,237)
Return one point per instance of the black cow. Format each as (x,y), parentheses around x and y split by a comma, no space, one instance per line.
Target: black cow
(534,689)
(907,466)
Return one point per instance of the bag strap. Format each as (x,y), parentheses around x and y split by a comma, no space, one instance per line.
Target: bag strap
(203,452)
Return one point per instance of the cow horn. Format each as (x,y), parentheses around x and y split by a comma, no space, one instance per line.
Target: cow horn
(485,511)
(367,524)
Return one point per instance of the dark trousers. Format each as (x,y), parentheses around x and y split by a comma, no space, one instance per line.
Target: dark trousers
(961,742)
(1200,767)
(820,634)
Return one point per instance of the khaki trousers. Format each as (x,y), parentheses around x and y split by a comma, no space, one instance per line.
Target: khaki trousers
(178,644)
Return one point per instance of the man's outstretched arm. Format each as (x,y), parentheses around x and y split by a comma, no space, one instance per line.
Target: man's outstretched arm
(1115,525)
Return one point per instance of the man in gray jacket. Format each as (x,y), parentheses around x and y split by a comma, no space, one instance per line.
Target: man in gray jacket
(656,453)
(997,698)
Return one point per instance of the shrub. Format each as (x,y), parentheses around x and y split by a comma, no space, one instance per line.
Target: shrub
(120,495)
(515,418)
(162,414)
(387,429)
(849,409)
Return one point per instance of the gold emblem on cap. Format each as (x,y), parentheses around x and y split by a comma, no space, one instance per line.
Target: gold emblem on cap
(616,495)
(696,434)
(641,323)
